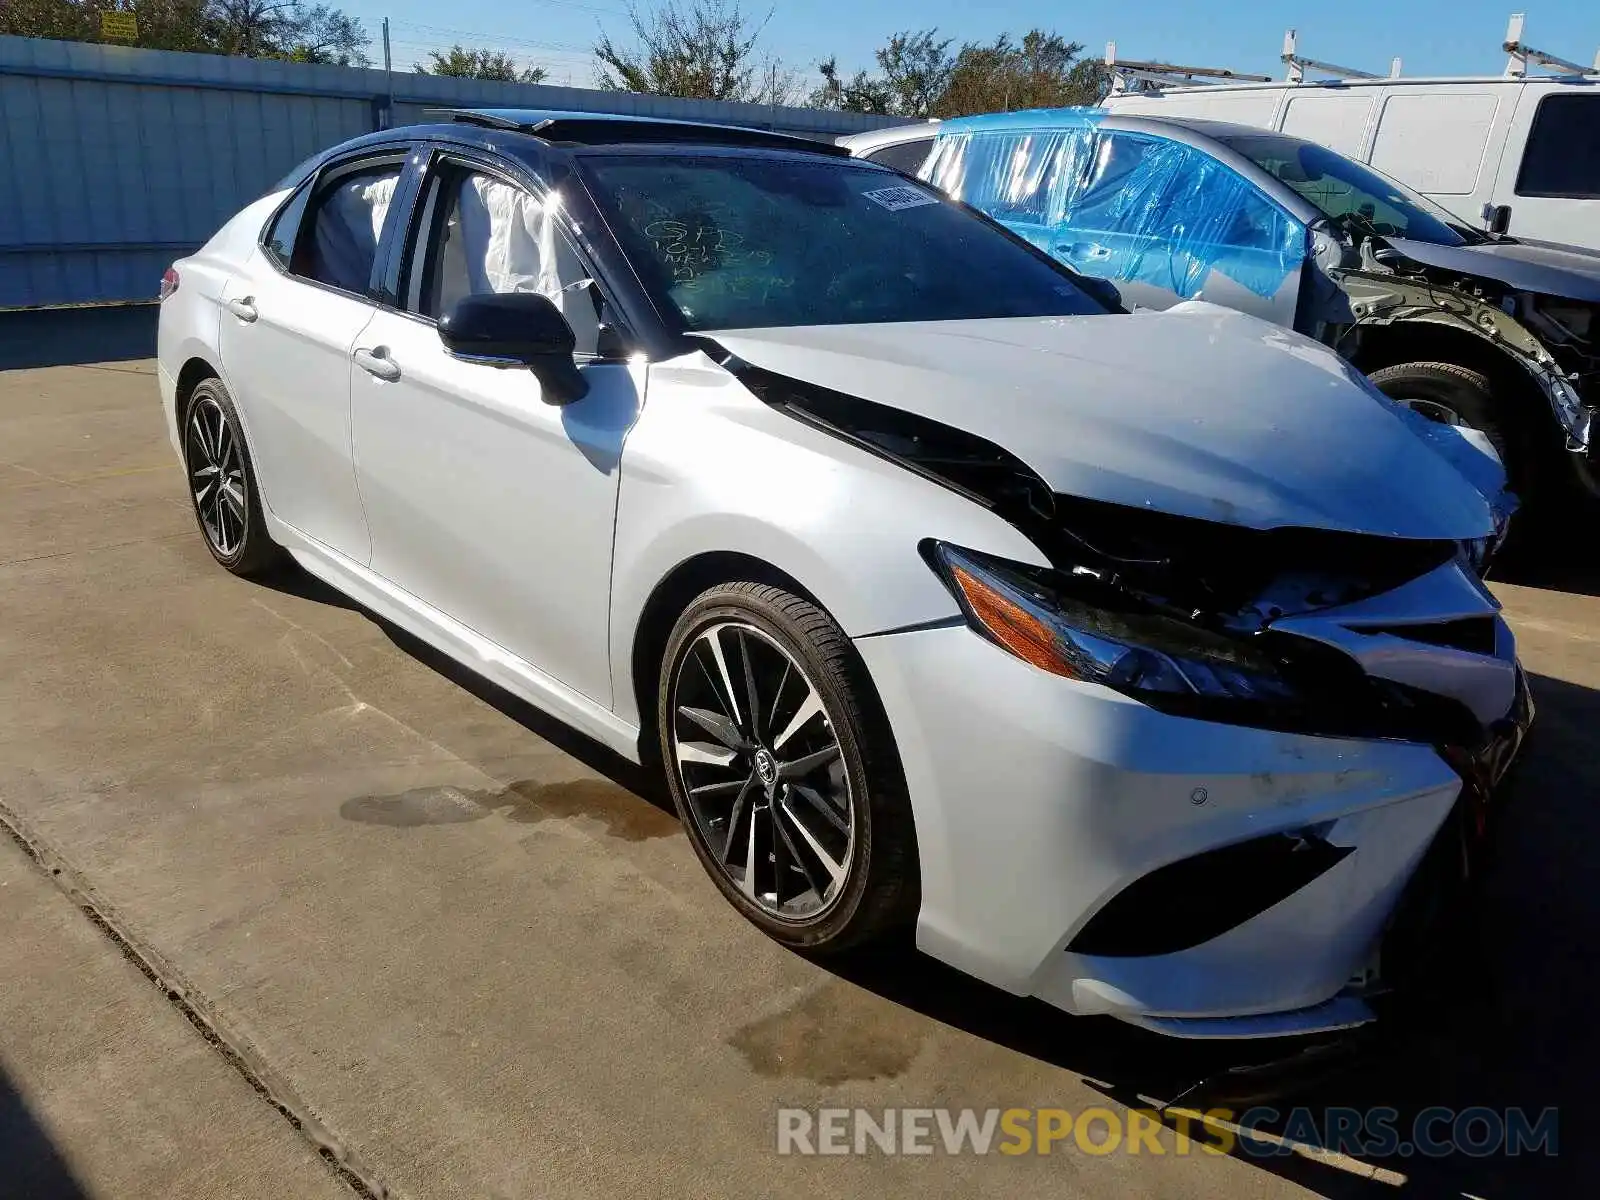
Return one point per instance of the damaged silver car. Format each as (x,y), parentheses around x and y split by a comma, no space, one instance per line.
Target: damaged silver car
(1496,336)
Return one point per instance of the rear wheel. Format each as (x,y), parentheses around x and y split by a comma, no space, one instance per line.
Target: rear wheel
(783,770)
(222,483)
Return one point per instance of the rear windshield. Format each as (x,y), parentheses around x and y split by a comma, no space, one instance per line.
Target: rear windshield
(744,241)
(1347,192)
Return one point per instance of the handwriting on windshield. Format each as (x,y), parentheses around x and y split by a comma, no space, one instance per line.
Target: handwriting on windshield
(705,255)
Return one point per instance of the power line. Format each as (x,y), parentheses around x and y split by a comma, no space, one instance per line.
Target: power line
(478,35)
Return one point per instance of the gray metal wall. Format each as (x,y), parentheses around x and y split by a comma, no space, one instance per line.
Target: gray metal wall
(114,161)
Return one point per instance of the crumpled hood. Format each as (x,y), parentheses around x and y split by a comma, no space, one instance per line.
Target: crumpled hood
(1569,272)
(1199,411)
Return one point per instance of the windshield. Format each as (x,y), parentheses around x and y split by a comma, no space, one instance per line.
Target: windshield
(1349,193)
(730,241)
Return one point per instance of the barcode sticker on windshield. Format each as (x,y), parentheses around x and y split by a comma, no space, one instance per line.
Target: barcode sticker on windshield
(896,198)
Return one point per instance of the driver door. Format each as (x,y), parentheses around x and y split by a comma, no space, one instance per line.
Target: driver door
(485,501)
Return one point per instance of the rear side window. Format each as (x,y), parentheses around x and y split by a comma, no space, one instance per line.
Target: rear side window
(1563,153)
(329,231)
(902,156)
(346,219)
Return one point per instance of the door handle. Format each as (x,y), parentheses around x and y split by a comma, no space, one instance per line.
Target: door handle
(244,309)
(377,362)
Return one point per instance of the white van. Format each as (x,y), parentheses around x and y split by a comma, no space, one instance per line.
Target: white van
(1469,144)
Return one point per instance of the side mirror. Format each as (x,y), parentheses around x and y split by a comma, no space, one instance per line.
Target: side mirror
(517,329)
(1497,219)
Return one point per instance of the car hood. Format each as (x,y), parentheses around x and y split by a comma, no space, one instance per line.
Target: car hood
(1199,411)
(1570,272)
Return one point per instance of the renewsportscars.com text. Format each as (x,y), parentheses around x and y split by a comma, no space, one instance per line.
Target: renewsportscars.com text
(1262,1131)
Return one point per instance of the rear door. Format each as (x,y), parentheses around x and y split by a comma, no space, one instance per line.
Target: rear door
(1555,193)
(290,320)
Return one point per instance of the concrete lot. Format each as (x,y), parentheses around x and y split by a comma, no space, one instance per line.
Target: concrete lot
(474,953)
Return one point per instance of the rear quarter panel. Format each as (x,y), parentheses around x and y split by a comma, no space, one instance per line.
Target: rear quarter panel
(191,317)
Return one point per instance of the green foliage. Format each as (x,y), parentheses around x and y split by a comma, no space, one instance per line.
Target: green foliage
(288,29)
(919,77)
(480,63)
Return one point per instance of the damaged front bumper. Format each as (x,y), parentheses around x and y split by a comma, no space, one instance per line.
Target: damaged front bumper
(1263,866)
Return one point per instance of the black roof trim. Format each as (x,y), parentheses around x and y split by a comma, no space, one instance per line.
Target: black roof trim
(610,129)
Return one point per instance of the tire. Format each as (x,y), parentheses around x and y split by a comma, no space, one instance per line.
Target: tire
(811,881)
(1456,396)
(231,519)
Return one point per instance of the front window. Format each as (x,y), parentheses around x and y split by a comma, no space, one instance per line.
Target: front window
(743,241)
(1351,195)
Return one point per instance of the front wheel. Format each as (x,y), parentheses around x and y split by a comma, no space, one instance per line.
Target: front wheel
(783,769)
(1453,395)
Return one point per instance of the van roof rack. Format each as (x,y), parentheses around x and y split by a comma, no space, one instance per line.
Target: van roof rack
(1297,63)
(1154,76)
(1523,55)
(1129,76)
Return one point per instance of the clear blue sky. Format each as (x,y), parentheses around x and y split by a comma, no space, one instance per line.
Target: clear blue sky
(1432,36)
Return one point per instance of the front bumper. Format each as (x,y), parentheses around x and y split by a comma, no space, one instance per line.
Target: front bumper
(1038,800)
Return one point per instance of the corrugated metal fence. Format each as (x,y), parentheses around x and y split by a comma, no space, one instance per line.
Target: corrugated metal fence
(114,161)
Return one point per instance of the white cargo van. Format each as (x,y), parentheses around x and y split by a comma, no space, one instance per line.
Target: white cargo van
(1530,143)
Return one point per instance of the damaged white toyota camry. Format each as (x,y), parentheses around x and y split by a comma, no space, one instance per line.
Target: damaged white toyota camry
(1136,661)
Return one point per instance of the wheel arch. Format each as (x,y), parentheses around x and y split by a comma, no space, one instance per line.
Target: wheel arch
(666,602)
(1390,345)
(193,372)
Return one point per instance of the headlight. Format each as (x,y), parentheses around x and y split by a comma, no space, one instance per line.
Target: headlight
(1097,635)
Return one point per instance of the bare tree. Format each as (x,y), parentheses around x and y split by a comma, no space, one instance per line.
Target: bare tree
(322,34)
(703,49)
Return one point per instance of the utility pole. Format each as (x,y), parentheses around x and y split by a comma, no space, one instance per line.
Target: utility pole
(388,78)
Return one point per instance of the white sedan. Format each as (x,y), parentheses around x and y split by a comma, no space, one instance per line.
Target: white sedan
(1135,661)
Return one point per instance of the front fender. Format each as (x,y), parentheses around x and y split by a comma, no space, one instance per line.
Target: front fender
(709,468)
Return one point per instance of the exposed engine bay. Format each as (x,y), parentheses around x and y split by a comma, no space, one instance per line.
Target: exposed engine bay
(1215,589)
(1555,340)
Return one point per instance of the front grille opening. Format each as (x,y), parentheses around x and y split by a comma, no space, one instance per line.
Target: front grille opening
(1189,902)
(1476,635)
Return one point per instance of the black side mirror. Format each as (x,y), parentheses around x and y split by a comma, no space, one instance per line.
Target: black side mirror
(1497,219)
(517,329)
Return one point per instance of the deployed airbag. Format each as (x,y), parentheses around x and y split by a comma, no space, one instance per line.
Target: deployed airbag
(345,240)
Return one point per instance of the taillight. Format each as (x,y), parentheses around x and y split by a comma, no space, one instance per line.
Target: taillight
(169,282)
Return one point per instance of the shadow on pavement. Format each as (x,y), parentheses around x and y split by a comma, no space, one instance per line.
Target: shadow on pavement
(30,1165)
(59,337)
(1511,1029)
